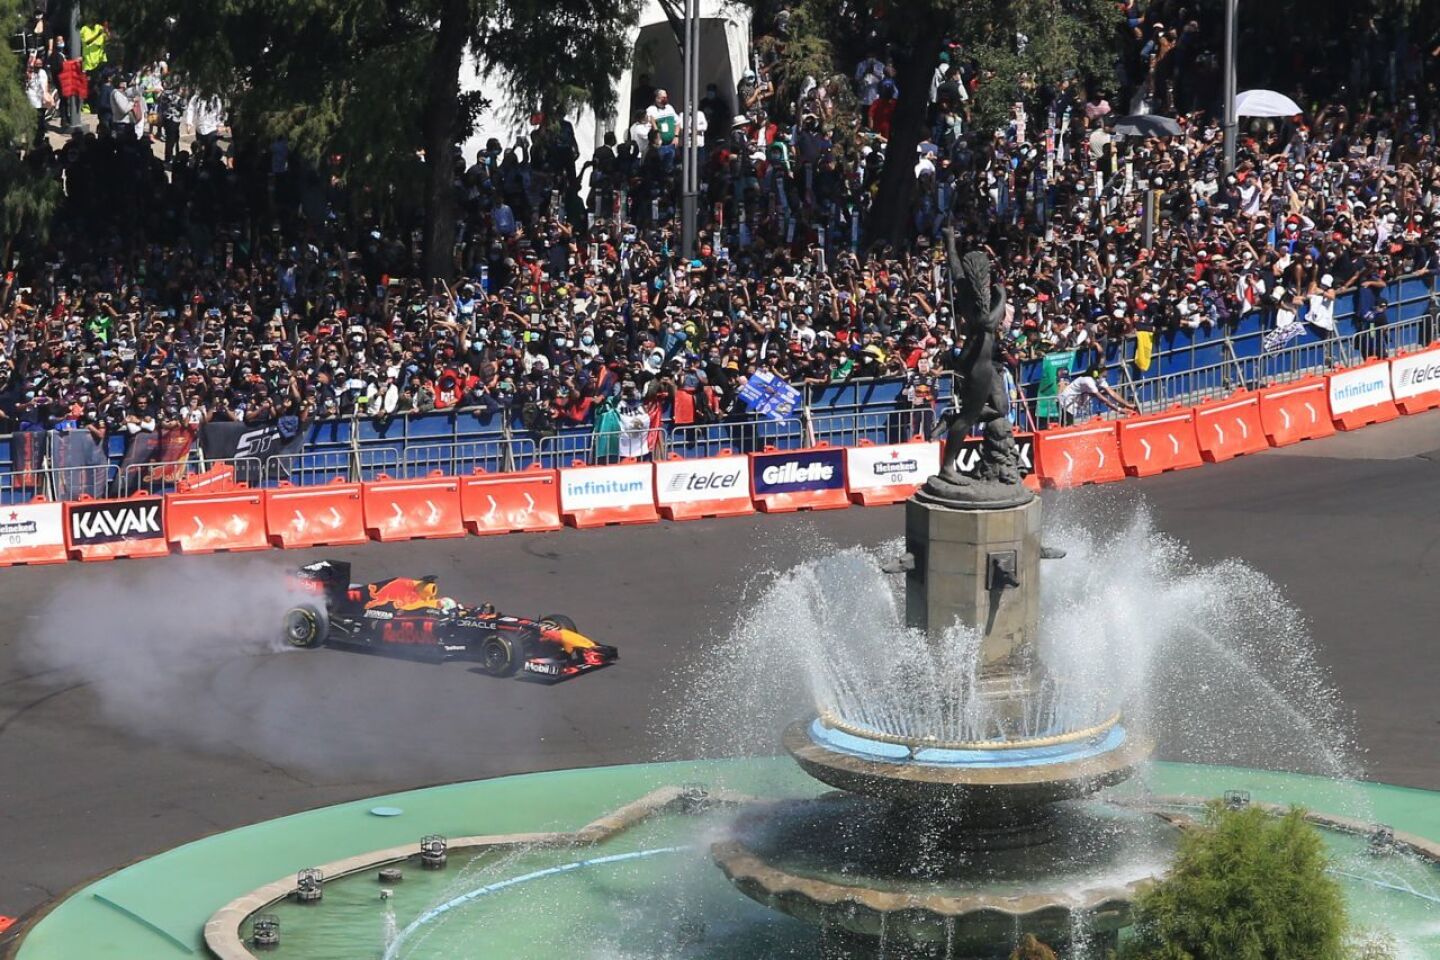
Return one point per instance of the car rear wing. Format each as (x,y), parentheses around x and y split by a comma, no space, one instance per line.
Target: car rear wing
(331,577)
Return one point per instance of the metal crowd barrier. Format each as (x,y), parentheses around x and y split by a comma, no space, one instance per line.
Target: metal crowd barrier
(463,457)
(878,426)
(740,436)
(309,469)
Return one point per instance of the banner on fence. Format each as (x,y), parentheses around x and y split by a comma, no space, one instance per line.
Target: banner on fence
(1415,381)
(619,493)
(703,487)
(968,463)
(888,474)
(228,440)
(104,529)
(80,465)
(812,479)
(27,453)
(1361,395)
(32,533)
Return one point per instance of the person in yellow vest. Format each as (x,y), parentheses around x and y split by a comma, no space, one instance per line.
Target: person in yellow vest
(93,38)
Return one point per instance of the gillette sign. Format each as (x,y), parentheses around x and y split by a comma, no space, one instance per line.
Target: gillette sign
(799,470)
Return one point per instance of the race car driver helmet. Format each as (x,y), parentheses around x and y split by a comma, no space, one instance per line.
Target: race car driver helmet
(447,605)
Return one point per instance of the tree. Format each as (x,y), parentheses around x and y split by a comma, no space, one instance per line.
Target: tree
(28,194)
(1245,886)
(377,82)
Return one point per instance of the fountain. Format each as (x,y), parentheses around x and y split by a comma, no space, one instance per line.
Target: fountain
(976,778)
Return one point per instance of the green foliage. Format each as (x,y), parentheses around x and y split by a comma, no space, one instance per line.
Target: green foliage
(1371,945)
(1245,886)
(1030,948)
(27,195)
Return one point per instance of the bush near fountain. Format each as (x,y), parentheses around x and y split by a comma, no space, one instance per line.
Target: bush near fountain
(1245,885)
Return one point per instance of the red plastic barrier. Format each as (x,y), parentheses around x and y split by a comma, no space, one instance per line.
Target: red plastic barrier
(618,493)
(1361,395)
(1159,443)
(703,487)
(6,923)
(332,515)
(511,502)
(809,479)
(219,477)
(107,529)
(1230,427)
(879,475)
(32,532)
(207,522)
(1071,456)
(413,509)
(1415,381)
(1295,411)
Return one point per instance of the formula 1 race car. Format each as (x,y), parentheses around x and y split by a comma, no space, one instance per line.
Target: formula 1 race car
(408,616)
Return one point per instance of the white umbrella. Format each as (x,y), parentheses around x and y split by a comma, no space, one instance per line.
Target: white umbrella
(1265,103)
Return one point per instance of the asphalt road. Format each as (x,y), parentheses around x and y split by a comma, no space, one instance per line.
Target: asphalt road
(125,729)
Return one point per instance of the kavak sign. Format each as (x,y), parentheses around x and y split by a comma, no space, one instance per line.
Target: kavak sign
(112,521)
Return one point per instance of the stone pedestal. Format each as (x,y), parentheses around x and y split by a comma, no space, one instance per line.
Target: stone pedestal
(976,567)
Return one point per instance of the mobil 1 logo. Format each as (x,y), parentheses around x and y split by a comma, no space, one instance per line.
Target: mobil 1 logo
(112,521)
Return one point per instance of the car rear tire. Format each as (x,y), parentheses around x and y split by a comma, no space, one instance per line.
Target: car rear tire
(305,627)
(499,656)
(560,621)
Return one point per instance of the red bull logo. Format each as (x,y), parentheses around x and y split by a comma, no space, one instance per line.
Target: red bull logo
(404,593)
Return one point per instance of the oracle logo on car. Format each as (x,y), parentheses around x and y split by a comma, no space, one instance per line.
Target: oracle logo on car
(799,470)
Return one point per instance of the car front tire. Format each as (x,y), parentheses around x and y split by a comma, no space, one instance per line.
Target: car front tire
(499,656)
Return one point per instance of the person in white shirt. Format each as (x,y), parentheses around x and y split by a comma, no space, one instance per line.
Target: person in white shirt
(1074,395)
(205,116)
(38,93)
(667,123)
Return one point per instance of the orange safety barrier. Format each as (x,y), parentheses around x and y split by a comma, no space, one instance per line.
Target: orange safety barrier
(232,519)
(1072,456)
(1230,427)
(6,923)
(617,493)
(511,502)
(880,475)
(32,532)
(703,487)
(1295,411)
(330,515)
(107,529)
(1415,381)
(1361,395)
(1159,443)
(219,477)
(808,479)
(413,509)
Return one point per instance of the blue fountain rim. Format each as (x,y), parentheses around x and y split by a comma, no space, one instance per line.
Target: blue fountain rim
(1011,756)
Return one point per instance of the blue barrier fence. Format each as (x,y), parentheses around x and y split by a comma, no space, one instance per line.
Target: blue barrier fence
(1183,363)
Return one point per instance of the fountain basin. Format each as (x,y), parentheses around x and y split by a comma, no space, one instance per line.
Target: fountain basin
(1011,780)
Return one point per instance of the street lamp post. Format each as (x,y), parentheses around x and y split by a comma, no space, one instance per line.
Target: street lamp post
(1231,123)
(690,157)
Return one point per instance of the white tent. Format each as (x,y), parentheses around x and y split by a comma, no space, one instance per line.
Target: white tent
(1265,103)
(724,57)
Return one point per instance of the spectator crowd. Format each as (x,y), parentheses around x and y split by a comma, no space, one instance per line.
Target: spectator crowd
(193,275)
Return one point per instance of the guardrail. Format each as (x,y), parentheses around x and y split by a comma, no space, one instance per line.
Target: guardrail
(738,436)
(491,455)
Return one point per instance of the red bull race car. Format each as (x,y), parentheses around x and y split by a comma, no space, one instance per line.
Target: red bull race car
(408,616)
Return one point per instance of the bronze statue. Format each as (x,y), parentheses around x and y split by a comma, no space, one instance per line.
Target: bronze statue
(980,395)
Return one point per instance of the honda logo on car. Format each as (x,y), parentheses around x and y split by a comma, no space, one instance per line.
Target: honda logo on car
(109,522)
(1357,389)
(802,470)
(622,485)
(1416,374)
(710,478)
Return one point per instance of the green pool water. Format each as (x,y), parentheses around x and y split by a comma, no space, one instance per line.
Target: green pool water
(626,910)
